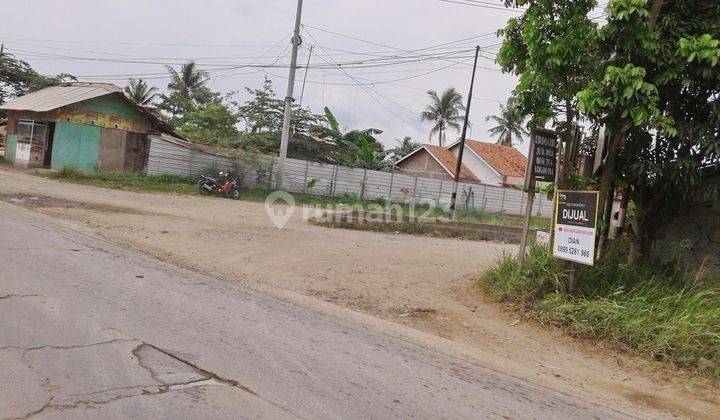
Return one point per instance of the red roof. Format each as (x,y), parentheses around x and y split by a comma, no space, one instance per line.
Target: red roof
(449,161)
(507,161)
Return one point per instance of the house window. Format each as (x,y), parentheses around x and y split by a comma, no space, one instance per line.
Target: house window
(33,134)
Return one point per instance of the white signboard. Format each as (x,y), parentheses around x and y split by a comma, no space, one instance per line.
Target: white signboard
(22,152)
(575,226)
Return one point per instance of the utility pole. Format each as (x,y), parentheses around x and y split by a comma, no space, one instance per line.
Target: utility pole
(456,178)
(289,100)
(307,67)
(2,49)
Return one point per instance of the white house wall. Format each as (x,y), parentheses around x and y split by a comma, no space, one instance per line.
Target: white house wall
(478,166)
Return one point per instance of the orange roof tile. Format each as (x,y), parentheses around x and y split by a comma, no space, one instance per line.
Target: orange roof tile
(507,161)
(449,161)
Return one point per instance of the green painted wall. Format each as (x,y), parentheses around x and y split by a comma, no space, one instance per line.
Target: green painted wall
(76,145)
(109,104)
(10,147)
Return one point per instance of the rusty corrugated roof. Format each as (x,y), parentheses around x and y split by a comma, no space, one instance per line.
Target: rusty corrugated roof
(507,161)
(449,161)
(59,96)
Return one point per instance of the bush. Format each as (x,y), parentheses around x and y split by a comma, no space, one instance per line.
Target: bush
(69,173)
(653,310)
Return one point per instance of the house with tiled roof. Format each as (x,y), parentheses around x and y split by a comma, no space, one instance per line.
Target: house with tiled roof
(493,163)
(432,161)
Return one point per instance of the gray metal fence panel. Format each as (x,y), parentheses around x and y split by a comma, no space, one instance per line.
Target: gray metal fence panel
(333,180)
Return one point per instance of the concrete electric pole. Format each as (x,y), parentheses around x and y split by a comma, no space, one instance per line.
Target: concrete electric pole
(289,100)
(458,166)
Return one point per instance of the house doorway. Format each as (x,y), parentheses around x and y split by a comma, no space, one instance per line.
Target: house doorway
(47,160)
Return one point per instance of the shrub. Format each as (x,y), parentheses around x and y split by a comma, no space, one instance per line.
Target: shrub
(652,309)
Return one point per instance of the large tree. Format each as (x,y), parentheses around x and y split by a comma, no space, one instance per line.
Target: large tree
(551,48)
(510,123)
(262,117)
(18,78)
(445,111)
(659,100)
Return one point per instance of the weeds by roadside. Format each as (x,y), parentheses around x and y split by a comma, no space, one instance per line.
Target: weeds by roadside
(123,181)
(664,314)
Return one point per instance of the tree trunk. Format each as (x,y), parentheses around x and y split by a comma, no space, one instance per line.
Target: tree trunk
(640,236)
(608,172)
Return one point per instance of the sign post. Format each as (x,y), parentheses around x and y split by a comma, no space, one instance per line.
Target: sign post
(541,167)
(575,226)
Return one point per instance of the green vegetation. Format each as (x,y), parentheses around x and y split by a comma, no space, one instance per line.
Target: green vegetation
(130,182)
(445,111)
(653,309)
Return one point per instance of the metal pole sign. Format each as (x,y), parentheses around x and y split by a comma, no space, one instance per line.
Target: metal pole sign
(575,226)
(544,155)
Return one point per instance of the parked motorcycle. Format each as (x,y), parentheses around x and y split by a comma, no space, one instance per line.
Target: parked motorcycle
(226,185)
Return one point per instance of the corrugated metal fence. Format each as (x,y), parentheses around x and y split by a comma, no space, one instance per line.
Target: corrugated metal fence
(334,180)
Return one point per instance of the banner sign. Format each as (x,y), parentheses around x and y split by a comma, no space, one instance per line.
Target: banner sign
(544,155)
(575,226)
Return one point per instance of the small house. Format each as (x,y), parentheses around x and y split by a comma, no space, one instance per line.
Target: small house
(493,163)
(89,126)
(432,161)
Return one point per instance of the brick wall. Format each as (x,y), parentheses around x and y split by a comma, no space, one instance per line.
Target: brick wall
(422,164)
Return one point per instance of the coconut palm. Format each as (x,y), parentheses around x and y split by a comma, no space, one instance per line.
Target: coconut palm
(510,124)
(405,147)
(139,91)
(445,111)
(188,81)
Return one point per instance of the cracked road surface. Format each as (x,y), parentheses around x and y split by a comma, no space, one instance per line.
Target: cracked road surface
(91,330)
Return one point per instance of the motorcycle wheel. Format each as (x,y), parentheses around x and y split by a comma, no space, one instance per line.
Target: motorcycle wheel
(234,194)
(201,188)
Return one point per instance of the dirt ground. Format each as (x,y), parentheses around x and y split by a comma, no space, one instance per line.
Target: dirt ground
(423,283)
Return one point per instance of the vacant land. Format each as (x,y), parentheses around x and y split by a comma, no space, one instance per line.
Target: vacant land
(425,283)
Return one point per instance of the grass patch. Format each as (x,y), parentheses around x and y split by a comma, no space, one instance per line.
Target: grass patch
(653,310)
(124,181)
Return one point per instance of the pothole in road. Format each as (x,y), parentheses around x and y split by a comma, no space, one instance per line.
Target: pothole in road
(168,369)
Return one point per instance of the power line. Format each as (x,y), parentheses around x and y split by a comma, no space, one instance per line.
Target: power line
(361,86)
(482,5)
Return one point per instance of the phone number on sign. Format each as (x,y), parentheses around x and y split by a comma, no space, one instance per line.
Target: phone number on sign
(573,251)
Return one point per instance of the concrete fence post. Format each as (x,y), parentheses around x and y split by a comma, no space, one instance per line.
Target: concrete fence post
(190,159)
(392,178)
(502,201)
(333,183)
(307,166)
(415,191)
(363,185)
(522,202)
(439,194)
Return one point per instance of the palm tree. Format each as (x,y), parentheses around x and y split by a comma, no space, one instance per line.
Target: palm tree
(188,81)
(445,111)
(405,147)
(140,92)
(510,123)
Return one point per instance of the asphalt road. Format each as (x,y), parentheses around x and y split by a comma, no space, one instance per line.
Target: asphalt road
(91,330)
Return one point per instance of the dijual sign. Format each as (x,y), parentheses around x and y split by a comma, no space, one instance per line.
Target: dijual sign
(575,226)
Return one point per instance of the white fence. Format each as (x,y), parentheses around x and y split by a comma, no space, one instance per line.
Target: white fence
(334,180)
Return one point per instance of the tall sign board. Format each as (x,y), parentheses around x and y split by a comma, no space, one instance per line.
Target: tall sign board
(544,155)
(575,226)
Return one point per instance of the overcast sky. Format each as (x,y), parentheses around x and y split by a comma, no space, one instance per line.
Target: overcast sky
(51,35)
